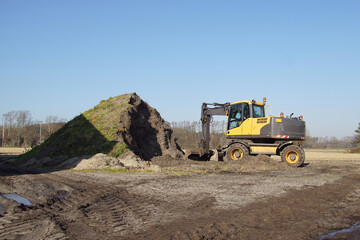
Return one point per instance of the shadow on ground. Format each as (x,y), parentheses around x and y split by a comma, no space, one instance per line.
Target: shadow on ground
(76,138)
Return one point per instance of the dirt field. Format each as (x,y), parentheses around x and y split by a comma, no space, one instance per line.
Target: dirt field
(6,152)
(187,200)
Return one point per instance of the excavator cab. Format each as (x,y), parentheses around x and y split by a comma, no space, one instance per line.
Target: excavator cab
(241,116)
(241,111)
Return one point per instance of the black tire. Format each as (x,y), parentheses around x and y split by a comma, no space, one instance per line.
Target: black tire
(293,156)
(236,152)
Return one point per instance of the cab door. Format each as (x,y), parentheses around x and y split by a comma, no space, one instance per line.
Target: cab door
(239,119)
(247,121)
(235,117)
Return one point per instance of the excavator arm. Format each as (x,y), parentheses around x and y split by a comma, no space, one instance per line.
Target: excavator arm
(207,113)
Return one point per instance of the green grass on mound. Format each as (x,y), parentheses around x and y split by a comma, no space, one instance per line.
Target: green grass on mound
(94,131)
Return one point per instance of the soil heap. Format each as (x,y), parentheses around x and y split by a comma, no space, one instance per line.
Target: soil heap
(120,125)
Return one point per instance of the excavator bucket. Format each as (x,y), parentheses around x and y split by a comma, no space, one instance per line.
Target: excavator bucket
(199,154)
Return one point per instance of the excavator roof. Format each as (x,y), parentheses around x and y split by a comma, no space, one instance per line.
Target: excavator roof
(249,102)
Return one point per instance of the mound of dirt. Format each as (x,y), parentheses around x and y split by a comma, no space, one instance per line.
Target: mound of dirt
(114,127)
(102,161)
(260,163)
(98,161)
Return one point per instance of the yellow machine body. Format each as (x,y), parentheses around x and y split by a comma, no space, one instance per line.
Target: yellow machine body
(250,132)
(247,120)
(250,126)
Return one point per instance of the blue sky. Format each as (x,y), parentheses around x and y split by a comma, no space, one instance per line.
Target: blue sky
(64,57)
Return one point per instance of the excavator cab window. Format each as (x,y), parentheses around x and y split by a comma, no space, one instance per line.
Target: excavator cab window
(258,111)
(238,113)
(235,116)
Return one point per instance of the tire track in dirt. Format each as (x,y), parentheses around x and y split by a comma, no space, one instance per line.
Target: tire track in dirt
(104,206)
(113,210)
(17,227)
(101,210)
(23,221)
(33,222)
(319,210)
(30,229)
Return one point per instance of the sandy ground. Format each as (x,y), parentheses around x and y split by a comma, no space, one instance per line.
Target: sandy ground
(193,200)
(6,151)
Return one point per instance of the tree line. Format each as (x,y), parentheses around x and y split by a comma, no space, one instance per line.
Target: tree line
(189,134)
(328,142)
(18,129)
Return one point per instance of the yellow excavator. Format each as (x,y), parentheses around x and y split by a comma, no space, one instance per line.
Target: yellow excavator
(250,132)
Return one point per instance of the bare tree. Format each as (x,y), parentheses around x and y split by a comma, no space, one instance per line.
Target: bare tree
(50,123)
(20,130)
(23,118)
(9,120)
(189,134)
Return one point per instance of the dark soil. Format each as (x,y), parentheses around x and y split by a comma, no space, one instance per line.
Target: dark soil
(302,203)
(147,134)
(249,164)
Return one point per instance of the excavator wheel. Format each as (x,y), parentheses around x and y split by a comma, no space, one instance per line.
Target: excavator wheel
(235,152)
(293,155)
